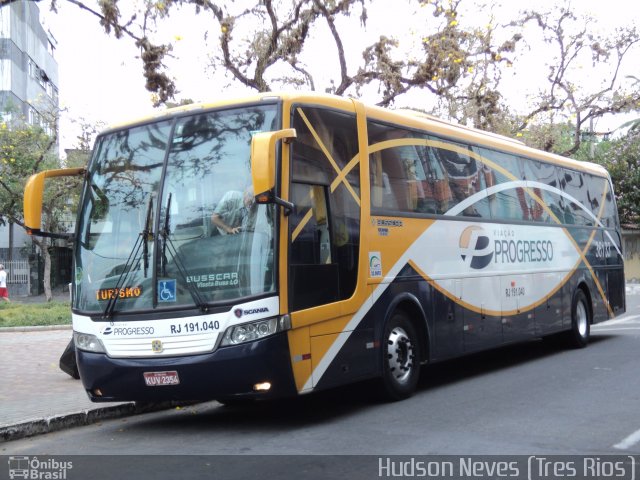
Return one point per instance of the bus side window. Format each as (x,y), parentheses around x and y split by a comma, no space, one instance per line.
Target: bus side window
(545,205)
(610,218)
(506,203)
(393,182)
(437,189)
(599,201)
(415,178)
(377,180)
(396,170)
(467,180)
(573,184)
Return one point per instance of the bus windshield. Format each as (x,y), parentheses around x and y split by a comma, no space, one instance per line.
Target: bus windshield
(168,219)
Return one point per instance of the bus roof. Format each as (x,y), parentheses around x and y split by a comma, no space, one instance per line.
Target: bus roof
(404,117)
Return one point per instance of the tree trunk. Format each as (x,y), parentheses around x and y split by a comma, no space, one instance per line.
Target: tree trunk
(47,272)
(43,246)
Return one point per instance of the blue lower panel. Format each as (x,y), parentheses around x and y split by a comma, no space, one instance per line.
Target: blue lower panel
(227,372)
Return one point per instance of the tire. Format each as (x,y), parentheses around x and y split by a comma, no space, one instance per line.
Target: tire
(400,352)
(578,336)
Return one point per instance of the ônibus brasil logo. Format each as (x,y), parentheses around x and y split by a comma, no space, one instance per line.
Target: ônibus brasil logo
(475,247)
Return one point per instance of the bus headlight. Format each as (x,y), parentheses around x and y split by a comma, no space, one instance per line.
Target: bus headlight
(248,332)
(90,343)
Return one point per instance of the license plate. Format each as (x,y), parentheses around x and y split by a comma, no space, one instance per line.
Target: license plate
(159,379)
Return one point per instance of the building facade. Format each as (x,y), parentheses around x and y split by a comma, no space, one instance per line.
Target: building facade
(28,69)
(28,90)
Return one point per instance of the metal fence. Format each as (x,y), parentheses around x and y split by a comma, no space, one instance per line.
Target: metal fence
(25,275)
(17,271)
(18,277)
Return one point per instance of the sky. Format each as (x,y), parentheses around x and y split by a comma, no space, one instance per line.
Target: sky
(100,77)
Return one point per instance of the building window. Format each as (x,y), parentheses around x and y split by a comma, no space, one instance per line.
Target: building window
(34,71)
(34,116)
(5,74)
(43,79)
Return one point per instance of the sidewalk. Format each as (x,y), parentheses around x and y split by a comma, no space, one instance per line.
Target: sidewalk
(35,395)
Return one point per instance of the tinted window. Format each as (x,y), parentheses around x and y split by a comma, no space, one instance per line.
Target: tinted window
(576,207)
(413,172)
(508,200)
(467,180)
(601,201)
(542,183)
(610,217)
(398,176)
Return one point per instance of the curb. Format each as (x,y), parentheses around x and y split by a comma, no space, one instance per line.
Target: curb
(35,328)
(78,419)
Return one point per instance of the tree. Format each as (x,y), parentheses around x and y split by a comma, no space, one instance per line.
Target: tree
(24,150)
(464,52)
(271,45)
(569,92)
(621,158)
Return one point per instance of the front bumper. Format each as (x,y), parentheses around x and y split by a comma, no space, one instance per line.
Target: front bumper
(230,371)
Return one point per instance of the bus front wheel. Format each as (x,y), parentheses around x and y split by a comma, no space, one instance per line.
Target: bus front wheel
(578,336)
(400,358)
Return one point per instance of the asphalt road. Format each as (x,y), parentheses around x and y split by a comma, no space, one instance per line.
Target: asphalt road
(533,398)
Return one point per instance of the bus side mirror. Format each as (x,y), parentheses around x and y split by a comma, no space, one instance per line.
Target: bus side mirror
(263,165)
(32,203)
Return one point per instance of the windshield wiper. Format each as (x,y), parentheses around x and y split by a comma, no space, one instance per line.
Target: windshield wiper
(148,236)
(141,243)
(167,244)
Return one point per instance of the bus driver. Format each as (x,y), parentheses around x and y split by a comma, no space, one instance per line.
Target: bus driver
(233,213)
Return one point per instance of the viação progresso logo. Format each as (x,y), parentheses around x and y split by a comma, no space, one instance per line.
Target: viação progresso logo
(475,247)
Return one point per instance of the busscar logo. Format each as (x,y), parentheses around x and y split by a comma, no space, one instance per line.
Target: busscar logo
(475,247)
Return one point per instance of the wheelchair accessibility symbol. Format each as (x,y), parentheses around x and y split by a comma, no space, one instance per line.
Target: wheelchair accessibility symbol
(166,290)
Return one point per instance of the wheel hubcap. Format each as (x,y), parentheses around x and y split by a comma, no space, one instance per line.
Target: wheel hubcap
(581,318)
(400,355)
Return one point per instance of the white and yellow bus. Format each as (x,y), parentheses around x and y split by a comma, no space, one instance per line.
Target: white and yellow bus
(374,242)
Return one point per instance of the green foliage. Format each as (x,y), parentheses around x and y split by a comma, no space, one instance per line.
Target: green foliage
(23,315)
(622,159)
(559,138)
(27,149)
(24,150)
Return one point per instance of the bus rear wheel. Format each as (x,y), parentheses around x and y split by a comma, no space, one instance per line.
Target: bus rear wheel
(578,336)
(400,358)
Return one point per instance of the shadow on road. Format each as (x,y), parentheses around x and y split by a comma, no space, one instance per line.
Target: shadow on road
(329,406)
(478,364)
